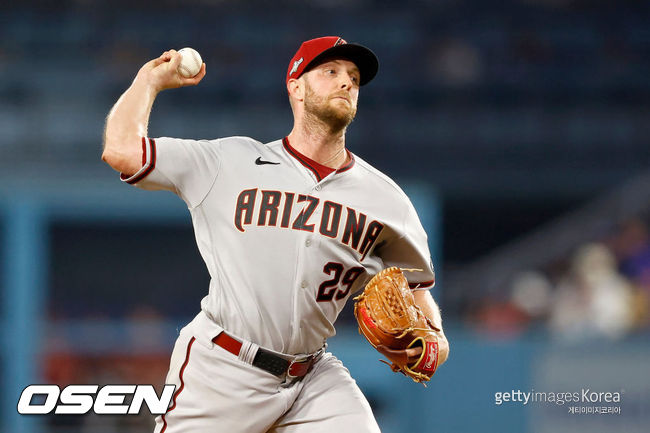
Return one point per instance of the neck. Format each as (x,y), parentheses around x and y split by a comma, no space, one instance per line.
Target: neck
(320,142)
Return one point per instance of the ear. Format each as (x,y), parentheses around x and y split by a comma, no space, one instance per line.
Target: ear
(296,89)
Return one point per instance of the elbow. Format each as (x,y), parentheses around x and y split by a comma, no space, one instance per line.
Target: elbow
(106,156)
(110,157)
(121,158)
(108,145)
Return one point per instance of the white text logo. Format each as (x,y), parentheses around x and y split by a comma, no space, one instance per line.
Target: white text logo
(81,399)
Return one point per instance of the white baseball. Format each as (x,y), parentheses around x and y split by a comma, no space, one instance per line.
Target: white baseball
(191,62)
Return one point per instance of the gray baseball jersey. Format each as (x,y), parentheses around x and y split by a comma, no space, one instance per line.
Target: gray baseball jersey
(286,244)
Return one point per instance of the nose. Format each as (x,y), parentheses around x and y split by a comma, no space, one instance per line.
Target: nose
(346,81)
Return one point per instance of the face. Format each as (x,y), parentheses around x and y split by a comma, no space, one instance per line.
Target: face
(332,92)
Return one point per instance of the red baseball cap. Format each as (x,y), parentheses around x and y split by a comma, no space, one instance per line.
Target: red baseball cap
(315,51)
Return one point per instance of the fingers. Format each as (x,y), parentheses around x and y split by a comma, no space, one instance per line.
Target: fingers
(162,72)
(193,81)
(174,59)
(163,58)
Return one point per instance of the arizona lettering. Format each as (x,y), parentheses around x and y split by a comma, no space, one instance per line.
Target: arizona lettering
(333,220)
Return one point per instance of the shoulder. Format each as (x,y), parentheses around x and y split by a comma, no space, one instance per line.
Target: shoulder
(378,179)
(238,141)
(247,147)
(224,141)
(228,145)
(247,143)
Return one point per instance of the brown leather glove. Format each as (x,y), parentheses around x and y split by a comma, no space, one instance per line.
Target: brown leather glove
(391,321)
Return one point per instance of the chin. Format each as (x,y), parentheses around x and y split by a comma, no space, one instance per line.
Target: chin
(344,113)
(338,119)
(336,115)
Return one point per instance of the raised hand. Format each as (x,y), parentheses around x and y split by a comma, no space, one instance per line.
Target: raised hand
(162,73)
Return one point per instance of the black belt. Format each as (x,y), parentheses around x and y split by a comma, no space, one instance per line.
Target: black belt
(269,361)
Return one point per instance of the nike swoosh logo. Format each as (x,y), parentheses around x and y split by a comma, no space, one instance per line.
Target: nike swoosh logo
(259,161)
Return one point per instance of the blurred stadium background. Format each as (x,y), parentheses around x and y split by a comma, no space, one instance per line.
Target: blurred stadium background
(519,127)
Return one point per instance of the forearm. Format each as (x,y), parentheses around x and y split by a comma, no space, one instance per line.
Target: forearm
(428,305)
(126,123)
(128,120)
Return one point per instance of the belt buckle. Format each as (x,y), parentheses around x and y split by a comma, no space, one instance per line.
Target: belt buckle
(309,359)
(291,374)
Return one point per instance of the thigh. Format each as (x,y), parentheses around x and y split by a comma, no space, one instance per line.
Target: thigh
(329,401)
(216,392)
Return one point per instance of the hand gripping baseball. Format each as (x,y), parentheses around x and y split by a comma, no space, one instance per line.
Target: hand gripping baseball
(393,323)
(162,73)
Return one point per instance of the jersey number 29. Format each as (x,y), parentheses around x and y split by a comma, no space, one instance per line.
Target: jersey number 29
(337,286)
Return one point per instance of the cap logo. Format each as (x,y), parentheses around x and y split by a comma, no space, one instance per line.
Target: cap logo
(295,66)
(340,41)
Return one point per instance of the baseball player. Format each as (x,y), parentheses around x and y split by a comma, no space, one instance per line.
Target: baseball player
(289,231)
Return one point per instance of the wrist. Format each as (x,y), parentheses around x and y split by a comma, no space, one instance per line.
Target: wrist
(146,84)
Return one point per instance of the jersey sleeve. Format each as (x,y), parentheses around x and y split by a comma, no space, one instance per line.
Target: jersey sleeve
(185,167)
(410,250)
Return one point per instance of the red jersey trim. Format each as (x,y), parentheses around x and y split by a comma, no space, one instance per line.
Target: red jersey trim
(320,171)
(148,162)
(349,165)
(307,162)
(180,376)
